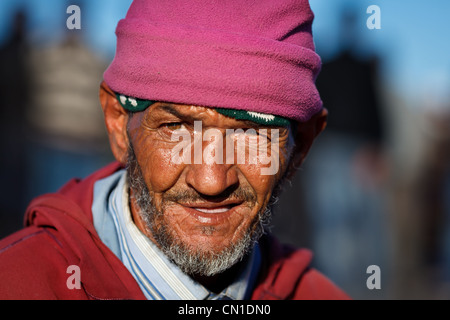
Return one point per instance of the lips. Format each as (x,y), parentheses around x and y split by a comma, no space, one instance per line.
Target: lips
(211,213)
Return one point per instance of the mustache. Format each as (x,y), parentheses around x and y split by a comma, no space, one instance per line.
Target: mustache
(234,193)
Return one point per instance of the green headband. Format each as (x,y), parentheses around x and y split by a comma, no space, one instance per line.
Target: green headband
(136,105)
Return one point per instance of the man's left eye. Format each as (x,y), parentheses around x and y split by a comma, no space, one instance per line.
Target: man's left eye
(174,126)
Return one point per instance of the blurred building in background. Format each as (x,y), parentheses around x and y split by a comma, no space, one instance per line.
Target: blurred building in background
(52,123)
(14,100)
(418,196)
(66,121)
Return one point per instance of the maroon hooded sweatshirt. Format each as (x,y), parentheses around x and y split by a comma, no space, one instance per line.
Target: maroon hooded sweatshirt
(60,233)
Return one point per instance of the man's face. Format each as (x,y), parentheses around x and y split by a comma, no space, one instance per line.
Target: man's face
(205,215)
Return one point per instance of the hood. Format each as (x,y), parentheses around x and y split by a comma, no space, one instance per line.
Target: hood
(282,270)
(287,275)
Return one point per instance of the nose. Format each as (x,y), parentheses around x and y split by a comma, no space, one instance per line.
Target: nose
(211,179)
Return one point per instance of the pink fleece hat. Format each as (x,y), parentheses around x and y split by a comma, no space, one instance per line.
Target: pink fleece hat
(248,55)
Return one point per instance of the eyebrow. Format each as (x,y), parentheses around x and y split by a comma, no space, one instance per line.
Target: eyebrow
(170,109)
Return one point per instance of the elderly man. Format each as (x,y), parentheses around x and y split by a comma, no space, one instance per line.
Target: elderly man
(208,105)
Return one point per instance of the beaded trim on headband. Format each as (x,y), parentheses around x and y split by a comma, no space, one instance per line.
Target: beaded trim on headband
(136,105)
(133,104)
(257,117)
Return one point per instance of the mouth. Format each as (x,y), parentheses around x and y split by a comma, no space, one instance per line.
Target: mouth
(212,213)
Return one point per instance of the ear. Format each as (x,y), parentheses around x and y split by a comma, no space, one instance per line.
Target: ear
(116,119)
(304,138)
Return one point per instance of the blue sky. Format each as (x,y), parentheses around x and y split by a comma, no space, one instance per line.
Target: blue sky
(413,41)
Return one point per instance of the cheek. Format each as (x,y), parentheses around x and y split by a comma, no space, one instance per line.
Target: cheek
(262,185)
(155,160)
(268,170)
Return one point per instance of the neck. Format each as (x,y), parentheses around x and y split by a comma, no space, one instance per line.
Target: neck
(219,282)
